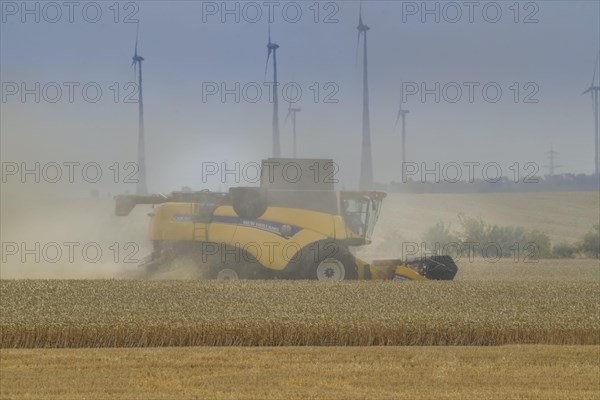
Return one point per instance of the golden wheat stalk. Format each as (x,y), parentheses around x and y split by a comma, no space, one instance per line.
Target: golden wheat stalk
(284,313)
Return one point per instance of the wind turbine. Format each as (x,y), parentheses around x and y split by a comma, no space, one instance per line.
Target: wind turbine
(402,114)
(366,161)
(292,113)
(137,62)
(551,155)
(272,48)
(595,92)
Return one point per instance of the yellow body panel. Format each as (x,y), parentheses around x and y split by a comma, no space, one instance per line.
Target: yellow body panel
(200,232)
(222,233)
(404,272)
(387,271)
(175,222)
(316,221)
(172,221)
(339,228)
(362,269)
(274,249)
(274,239)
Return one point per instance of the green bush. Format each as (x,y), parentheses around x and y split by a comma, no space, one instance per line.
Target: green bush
(472,229)
(564,250)
(541,243)
(440,235)
(509,240)
(591,242)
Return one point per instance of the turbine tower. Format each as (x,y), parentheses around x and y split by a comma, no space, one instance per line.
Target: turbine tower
(402,114)
(137,62)
(272,48)
(595,92)
(292,113)
(366,161)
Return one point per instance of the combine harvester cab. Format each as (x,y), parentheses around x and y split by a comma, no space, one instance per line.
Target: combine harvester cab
(291,227)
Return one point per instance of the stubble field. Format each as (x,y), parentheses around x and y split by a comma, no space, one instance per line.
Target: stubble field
(264,373)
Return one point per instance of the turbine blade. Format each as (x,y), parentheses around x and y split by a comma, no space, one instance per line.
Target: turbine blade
(267,64)
(587,91)
(289,113)
(269,32)
(595,69)
(137,32)
(360,23)
(397,119)
(360,13)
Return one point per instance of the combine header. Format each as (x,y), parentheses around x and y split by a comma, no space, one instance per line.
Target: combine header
(287,229)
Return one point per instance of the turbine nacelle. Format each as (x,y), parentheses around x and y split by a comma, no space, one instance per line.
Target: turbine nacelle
(362,27)
(401,114)
(291,111)
(362,31)
(593,88)
(136,58)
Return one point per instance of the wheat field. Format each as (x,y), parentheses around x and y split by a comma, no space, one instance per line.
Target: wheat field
(537,324)
(115,313)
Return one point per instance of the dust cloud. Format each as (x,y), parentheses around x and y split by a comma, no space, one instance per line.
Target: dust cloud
(78,227)
(49,236)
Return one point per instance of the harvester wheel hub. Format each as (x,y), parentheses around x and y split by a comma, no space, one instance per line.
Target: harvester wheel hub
(331,269)
(227,274)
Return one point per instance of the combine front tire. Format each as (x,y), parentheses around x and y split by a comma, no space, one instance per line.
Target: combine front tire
(238,271)
(336,267)
(227,274)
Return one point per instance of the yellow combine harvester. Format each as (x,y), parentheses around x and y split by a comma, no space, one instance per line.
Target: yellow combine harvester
(287,229)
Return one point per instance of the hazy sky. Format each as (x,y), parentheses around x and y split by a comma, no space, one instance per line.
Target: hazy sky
(186,46)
